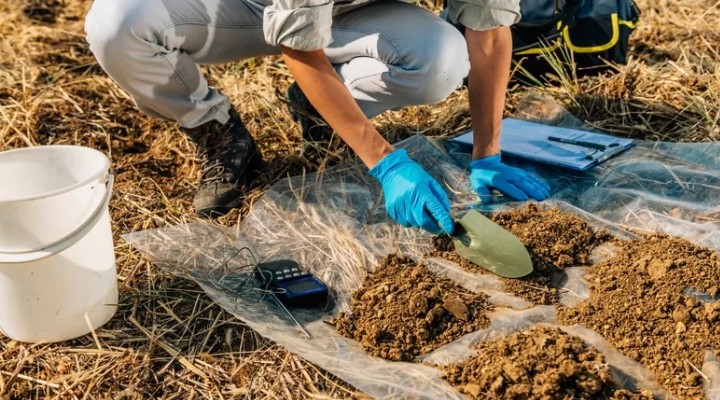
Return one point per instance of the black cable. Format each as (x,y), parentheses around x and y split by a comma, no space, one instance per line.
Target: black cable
(237,289)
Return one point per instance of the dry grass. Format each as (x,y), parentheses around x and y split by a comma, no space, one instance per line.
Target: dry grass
(168,339)
(670,88)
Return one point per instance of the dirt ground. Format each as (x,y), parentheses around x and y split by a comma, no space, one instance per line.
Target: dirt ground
(640,304)
(403,310)
(641,297)
(554,239)
(169,340)
(656,299)
(540,363)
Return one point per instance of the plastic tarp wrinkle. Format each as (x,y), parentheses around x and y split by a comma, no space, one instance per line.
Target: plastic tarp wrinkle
(334,224)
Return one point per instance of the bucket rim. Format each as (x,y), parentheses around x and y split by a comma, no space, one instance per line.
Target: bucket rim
(100,174)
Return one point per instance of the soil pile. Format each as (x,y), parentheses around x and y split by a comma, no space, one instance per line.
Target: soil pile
(641,303)
(555,239)
(403,310)
(540,363)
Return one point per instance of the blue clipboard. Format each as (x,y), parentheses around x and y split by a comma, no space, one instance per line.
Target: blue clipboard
(565,147)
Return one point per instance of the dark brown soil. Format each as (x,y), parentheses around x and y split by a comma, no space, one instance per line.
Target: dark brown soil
(640,300)
(540,363)
(403,310)
(638,304)
(555,240)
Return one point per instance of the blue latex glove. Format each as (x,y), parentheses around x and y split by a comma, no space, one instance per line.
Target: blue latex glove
(489,172)
(412,196)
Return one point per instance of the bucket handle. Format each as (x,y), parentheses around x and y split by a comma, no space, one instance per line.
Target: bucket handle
(69,239)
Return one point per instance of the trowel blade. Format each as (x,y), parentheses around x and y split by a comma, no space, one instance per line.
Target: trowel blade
(487,244)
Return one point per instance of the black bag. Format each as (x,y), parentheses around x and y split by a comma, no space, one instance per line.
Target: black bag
(592,32)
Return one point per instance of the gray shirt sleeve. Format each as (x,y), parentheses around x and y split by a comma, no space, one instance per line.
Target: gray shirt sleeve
(482,15)
(298,24)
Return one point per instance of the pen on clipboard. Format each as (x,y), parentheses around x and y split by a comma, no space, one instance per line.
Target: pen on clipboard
(591,145)
(604,157)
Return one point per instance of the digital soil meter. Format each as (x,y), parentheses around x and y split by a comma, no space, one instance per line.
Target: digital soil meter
(292,286)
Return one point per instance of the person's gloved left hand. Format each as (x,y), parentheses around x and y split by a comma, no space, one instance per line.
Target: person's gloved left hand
(412,196)
(490,172)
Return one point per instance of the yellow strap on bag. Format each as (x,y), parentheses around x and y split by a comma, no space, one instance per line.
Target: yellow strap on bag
(565,37)
(595,49)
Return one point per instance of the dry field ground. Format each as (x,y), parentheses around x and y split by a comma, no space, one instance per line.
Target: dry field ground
(168,339)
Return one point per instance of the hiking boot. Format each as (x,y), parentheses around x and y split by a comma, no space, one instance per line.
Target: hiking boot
(320,145)
(228,154)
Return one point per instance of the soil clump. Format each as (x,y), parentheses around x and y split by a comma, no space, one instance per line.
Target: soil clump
(555,239)
(403,310)
(642,304)
(539,363)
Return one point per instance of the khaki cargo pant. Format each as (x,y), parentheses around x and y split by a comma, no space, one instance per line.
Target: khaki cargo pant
(390,54)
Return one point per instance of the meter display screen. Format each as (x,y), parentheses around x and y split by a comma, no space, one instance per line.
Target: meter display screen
(302,286)
(291,285)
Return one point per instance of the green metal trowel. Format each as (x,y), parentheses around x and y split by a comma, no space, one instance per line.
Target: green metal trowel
(487,244)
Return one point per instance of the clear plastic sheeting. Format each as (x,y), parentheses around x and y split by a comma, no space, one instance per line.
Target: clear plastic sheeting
(503,322)
(655,186)
(711,378)
(628,373)
(334,224)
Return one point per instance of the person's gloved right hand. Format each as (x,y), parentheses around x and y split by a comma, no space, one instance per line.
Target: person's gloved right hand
(412,196)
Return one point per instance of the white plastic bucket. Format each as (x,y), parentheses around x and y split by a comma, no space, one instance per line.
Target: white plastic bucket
(57,261)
